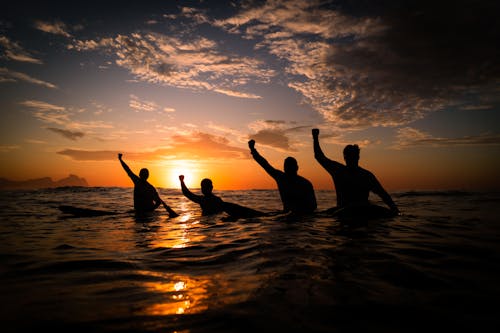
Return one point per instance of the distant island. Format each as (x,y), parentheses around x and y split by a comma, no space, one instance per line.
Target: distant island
(45,182)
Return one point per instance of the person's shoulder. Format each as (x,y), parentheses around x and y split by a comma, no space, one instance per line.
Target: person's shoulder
(366,172)
(304,180)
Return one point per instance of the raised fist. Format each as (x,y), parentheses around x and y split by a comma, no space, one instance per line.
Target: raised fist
(315,132)
(251,144)
(181,178)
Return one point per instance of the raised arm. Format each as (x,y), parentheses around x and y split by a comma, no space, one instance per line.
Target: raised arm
(133,176)
(262,161)
(325,162)
(187,193)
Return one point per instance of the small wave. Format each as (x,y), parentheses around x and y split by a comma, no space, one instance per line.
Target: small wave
(83,265)
(450,193)
(64,247)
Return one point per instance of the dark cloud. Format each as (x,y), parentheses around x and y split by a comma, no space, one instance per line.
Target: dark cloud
(436,53)
(274,133)
(408,137)
(71,135)
(272,137)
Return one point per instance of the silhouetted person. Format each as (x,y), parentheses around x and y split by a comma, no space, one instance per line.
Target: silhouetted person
(352,183)
(212,204)
(296,192)
(209,202)
(146,198)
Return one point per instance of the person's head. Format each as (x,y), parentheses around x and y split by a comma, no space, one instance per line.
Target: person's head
(290,166)
(206,186)
(144,174)
(351,155)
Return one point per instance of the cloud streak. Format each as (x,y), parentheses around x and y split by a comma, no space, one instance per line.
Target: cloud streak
(411,137)
(192,146)
(71,135)
(7,75)
(16,52)
(62,116)
(56,28)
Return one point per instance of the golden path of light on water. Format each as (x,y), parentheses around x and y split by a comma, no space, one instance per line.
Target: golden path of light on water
(182,232)
(182,294)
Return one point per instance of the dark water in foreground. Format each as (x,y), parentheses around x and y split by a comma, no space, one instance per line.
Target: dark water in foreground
(435,267)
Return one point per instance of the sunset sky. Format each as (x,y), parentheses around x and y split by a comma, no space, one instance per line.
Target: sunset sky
(180,87)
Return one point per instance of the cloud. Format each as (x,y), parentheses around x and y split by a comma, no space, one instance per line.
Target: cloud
(7,75)
(362,64)
(60,115)
(233,93)
(47,112)
(411,137)
(138,105)
(274,133)
(273,138)
(89,155)
(56,28)
(205,146)
(14,51)
(35,142)
(71,135)
(192,146)
(8,148)
(195,63)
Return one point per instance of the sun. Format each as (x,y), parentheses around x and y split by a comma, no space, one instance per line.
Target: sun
(188,169)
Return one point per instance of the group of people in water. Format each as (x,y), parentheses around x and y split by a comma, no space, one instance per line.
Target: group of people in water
(353,185)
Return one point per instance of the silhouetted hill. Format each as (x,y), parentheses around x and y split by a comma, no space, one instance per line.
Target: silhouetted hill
(45,182)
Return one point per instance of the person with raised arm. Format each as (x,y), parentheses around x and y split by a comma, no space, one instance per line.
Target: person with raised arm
(296,192)
(353,184)
(146,198)
(211,204)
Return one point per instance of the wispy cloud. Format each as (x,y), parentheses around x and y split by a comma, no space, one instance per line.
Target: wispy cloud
(56,28)
(62,116)
(35,141)
(237,93)
(8,148)
(138,105)
(192,146)
(195,63)
(71,135)
(47,112)
(411,137)
(7,75)
(16,52)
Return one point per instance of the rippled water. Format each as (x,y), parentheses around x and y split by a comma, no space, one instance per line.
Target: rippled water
(437,266)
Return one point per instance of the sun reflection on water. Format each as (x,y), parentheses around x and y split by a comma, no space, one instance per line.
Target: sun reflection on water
(180,233)
(182,294)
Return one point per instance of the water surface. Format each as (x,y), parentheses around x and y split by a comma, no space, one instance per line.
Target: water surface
(436,266)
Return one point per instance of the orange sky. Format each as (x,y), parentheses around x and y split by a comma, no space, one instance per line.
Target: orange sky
(182,89)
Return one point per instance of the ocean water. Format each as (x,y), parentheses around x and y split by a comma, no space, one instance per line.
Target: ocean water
(435,267)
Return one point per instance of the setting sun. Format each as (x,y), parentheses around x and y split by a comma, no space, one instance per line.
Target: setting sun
(186,168)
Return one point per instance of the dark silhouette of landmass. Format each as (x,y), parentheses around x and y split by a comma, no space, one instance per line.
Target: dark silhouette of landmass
(45,182)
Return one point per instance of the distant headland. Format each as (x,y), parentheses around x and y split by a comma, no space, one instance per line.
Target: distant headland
(44,182)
